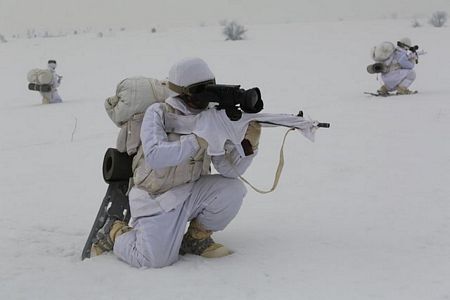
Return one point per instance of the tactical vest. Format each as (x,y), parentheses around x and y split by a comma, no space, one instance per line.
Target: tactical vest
(161,180)
(392,63)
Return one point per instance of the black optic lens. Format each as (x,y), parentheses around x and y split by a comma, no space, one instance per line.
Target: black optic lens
(251,101)
(251,97)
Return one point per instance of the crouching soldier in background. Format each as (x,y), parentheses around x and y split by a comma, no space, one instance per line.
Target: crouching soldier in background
(396,66)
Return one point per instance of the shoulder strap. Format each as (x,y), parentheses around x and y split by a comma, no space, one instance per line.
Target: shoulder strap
(277,172)
(169,108)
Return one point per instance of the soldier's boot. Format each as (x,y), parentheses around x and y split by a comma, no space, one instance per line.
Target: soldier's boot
(401,90)
(107,236)
(383,91)
(198,241)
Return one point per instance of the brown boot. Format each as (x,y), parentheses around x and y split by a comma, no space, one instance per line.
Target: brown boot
(383,91)
(107,237)
(198,241)
(404,91)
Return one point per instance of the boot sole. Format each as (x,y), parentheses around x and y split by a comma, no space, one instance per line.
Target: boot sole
(219,252)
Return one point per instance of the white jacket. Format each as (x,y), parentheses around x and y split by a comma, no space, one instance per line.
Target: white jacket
(161,152)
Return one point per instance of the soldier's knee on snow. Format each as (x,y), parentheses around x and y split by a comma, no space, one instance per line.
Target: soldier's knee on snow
(159,261)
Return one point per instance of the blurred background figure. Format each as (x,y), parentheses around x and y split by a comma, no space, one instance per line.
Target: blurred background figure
(52,96)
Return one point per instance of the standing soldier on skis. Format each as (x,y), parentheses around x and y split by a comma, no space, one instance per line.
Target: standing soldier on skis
(52,96)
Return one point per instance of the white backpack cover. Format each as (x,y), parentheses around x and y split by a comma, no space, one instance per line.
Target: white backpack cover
(134,95)
(383,51)
(126,109)
(40,76)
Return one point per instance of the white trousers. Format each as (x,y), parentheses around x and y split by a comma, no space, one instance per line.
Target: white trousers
(51,97)
(155,240)
(401,77)
(409,79)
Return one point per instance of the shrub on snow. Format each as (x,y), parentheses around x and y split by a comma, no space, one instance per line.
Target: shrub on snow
(438,18)
(234,31)
(415,23)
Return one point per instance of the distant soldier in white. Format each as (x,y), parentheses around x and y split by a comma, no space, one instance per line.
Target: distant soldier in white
(52,96)
(396,66)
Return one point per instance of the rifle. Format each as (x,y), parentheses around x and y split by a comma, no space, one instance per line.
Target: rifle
(413,49)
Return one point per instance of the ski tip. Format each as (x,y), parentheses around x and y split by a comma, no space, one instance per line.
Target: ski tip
(86,254)
(375,94)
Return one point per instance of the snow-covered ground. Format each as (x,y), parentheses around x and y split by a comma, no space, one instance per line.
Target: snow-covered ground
(362,213)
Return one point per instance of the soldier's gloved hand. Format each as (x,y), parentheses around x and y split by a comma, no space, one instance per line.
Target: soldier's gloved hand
(251,139)
(412,56)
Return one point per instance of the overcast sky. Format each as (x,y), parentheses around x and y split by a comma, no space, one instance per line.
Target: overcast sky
(54,15)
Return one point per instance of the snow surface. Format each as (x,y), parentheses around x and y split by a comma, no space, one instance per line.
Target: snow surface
(362,213)
(57,16)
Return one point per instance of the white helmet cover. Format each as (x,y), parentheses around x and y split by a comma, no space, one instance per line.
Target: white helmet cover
(383,51)
(189,71)
(406,41)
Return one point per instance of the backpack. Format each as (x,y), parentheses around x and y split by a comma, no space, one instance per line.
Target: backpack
(127,107)
(40,76)
(382,52)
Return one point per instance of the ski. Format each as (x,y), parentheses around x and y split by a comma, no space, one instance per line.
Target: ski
(376,94)
(388,95)
(115,204)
